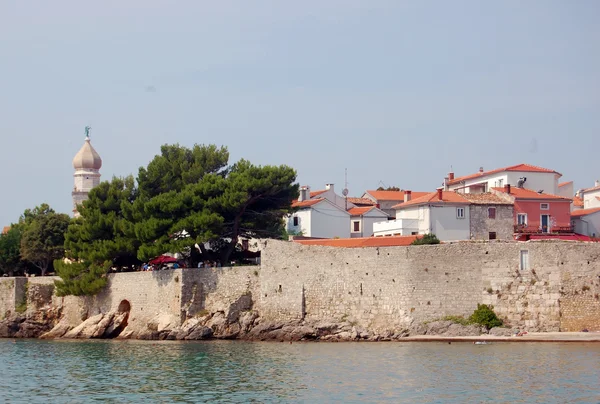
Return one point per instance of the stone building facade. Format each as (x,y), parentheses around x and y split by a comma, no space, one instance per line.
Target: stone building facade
(490,217)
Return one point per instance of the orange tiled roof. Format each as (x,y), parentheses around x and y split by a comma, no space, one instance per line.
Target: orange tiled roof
(5,229)
(432,197)
(307,203)
(577,202)
(392,195)
(359,242)
(485,199)
(519,167)
(524,193)
(361,201)
(360,210)
(562,184)
(591,189)
(584,212)
(317,193)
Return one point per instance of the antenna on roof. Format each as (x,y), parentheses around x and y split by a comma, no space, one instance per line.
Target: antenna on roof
(345,190)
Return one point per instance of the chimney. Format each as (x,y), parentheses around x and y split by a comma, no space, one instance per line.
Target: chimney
(507,188)
(450,175)
(597,183)
(329,187)
(446,185)
(439,194)
(304,194)
(407,196)
(480,169)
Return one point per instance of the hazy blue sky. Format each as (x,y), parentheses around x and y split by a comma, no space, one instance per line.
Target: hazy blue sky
(393,91)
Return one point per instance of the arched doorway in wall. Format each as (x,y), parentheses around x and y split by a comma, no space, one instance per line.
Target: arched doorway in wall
(119,320)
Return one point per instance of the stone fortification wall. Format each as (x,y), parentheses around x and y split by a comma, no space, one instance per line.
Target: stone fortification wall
(12,295)
(390,288)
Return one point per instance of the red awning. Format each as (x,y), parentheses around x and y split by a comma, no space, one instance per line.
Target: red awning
(162,259)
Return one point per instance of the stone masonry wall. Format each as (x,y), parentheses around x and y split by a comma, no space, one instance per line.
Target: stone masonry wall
(482,225)
(378,289)
(390,288)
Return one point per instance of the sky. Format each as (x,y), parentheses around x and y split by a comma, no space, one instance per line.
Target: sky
(396,92)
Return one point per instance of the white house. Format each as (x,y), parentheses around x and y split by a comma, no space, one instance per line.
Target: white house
(586,221)
(318,217)
(443,213)
(362,220)
(329,194)
(532,177)
(591,196)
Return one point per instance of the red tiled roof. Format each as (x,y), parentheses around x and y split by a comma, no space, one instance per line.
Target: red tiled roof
(562,184)
(393,241)
(393,195)
(360,210)
(5,229)
(577,202)
(584,212)
(486,198)
(317,193)
(361,201)
(307,203)
(592,189)
(432,197)
(519,167)
(524,193)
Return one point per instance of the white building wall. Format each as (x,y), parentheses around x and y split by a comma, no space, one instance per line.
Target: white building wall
(589,199)
(403,227)
(304,223)
(588,225)
(328,221)
(336,199)
(536,181)
(447,226)
(367,223)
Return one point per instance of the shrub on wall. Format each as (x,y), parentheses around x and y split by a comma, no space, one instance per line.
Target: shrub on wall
(485,316)
(426,239)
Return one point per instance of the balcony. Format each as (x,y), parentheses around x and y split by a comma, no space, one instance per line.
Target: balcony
(524,229)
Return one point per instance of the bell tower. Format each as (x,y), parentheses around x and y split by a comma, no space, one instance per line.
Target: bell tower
(87,164)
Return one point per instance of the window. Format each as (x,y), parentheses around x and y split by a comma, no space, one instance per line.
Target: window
(245,245)
(356,225)
(522,219)
(524,264)
(460,213)
(414,233)
(295,220)
(492,213)
(492,235)
(544,206)
(500,183)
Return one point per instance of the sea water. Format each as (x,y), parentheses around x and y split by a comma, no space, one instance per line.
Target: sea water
(36,371)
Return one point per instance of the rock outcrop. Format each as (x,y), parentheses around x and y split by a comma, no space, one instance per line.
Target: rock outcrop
(29,325)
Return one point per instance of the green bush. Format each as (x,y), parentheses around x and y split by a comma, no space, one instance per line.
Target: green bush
(485,316)
(426,239)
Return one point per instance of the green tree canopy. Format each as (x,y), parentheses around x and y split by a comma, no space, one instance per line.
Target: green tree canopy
(247,201)
(178,166)
(99,239)
(10,251)
(43,236)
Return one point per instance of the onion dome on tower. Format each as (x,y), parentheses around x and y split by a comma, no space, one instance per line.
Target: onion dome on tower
(87,157)
(87,164)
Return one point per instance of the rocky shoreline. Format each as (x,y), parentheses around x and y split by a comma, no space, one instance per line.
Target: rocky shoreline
(243,325)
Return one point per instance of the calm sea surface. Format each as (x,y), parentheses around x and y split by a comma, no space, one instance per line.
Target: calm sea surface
(143,371)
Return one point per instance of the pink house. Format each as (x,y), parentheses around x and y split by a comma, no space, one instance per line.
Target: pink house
(537,212)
